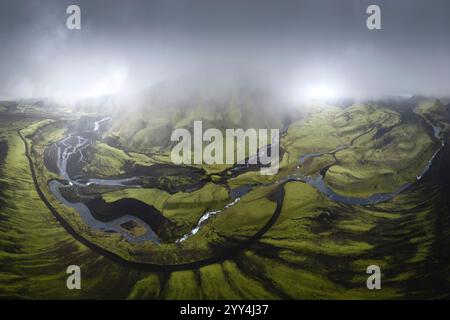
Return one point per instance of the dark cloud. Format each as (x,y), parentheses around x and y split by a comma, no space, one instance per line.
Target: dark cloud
(289,44)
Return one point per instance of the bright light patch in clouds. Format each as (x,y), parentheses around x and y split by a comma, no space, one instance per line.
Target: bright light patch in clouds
(86,81)
(109,84)
(316,91)
(321,92)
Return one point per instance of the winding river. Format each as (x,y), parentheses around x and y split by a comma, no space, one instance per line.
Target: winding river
(75,145)
(319,183)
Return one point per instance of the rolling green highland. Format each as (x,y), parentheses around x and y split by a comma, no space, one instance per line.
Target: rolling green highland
(358,185)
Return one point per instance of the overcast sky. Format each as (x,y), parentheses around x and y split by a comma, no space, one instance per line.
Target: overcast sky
(129,45)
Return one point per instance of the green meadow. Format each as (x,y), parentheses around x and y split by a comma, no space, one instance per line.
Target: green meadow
(313,247)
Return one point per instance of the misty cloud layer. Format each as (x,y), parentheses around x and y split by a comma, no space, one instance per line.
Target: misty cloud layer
(125,46)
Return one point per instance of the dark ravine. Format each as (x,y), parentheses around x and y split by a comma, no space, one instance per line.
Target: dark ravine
(106,212)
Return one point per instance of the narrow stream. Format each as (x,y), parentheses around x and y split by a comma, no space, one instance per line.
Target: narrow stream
(204,218)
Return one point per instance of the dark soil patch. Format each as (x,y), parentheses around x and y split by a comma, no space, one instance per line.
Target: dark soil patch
(3,150)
